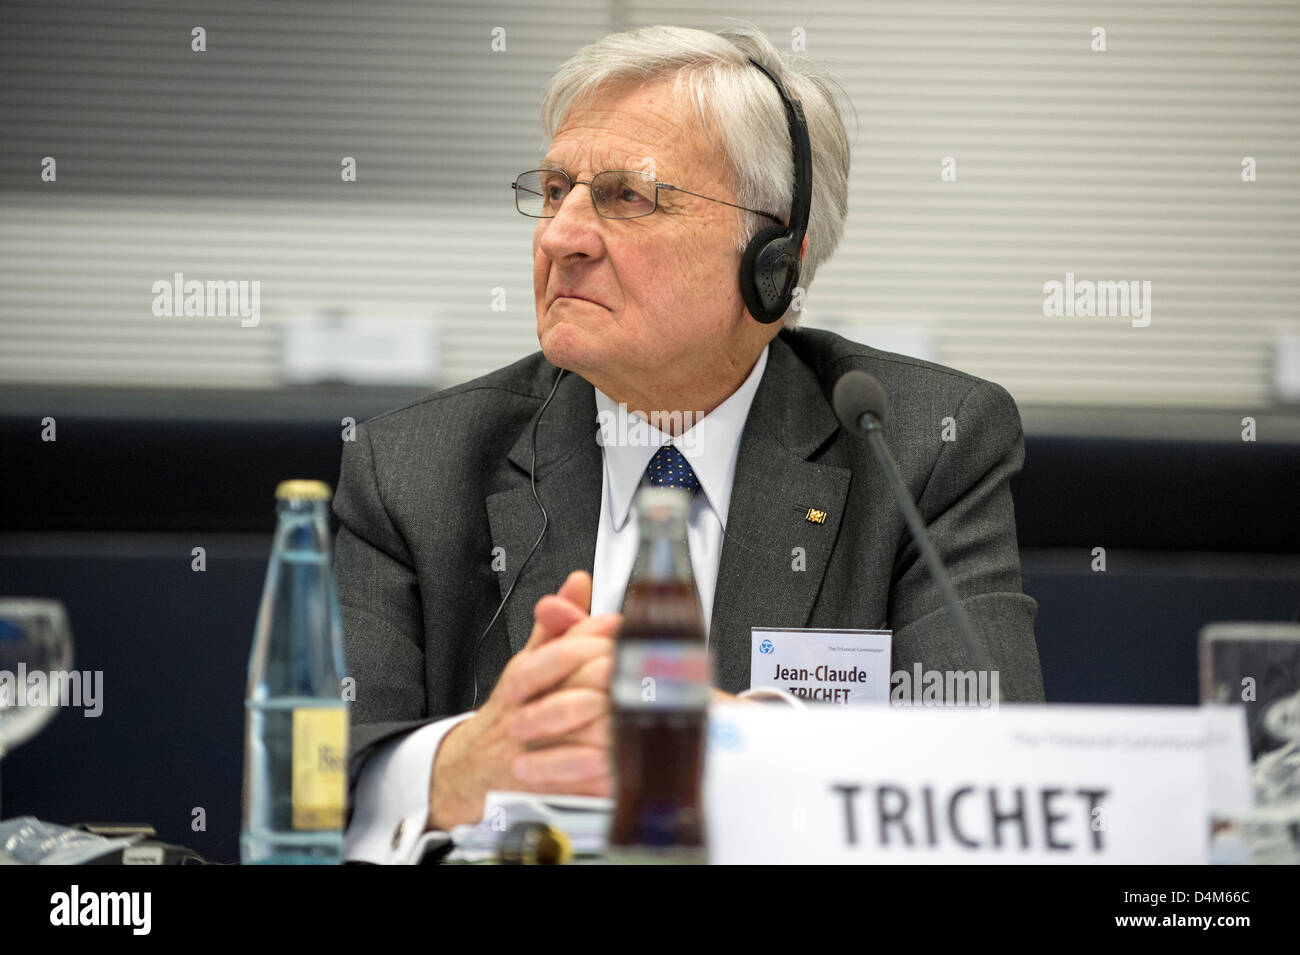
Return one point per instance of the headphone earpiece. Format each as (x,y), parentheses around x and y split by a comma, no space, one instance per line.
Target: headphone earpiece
(769,272)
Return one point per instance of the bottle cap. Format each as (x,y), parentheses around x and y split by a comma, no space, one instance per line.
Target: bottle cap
(663,503)
(302,490)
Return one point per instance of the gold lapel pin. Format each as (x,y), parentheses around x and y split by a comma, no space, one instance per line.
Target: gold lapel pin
(815,516)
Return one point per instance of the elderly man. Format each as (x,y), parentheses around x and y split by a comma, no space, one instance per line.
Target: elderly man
(486,536)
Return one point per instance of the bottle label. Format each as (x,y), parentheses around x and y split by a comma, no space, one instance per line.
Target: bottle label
(320,777)
(668,674)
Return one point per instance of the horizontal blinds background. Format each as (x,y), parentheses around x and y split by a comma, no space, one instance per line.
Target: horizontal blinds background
(1123,165)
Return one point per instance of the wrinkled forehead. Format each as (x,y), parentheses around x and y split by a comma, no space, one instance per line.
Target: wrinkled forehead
(642,126)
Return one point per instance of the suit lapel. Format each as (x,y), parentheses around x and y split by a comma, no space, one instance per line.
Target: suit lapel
(569,475)
(773,557)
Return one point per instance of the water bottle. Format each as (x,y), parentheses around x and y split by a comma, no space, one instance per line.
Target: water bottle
(295,753)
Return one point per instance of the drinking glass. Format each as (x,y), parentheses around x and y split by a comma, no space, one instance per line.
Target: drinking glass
(35,663)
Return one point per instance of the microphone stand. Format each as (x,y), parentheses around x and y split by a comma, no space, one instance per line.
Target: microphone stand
(870,426)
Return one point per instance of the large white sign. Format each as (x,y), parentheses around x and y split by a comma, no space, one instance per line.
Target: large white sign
(1018,783)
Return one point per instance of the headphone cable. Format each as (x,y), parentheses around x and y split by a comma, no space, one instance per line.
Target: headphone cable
(532,483)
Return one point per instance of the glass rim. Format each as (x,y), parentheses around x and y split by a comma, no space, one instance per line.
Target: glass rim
(32,606)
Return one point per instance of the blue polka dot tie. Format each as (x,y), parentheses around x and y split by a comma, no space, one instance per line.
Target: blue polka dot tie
(669,468)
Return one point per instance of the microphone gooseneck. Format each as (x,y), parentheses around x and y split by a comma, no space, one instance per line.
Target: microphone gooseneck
(859,402)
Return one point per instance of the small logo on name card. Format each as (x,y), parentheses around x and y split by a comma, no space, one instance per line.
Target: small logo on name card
(766,647)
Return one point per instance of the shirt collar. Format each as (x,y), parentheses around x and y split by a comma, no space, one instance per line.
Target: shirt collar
(711,446)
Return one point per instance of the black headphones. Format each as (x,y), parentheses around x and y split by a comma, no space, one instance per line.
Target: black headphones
(769,269)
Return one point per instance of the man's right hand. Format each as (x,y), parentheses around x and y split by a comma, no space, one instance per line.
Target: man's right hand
(545,727)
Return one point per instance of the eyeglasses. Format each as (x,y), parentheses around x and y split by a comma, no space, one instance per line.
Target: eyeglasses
(616,193)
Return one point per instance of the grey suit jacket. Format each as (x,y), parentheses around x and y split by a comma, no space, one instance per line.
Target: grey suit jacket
(429,490)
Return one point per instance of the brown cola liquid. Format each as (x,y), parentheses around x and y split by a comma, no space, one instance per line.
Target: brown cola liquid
(659,743)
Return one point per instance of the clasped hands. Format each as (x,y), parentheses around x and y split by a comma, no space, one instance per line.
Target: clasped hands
(546,726)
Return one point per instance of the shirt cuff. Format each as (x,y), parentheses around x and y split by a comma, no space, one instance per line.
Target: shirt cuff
(392,799)
(770,694)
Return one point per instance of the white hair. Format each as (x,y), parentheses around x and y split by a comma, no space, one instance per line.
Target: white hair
(712,71)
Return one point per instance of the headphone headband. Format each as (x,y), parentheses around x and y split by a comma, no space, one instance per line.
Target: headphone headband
(801,146)
(770,266)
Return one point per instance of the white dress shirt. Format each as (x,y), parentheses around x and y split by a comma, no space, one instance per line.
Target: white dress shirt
(392,795)
(711,448)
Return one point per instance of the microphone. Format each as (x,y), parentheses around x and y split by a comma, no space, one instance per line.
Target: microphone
(859,402)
